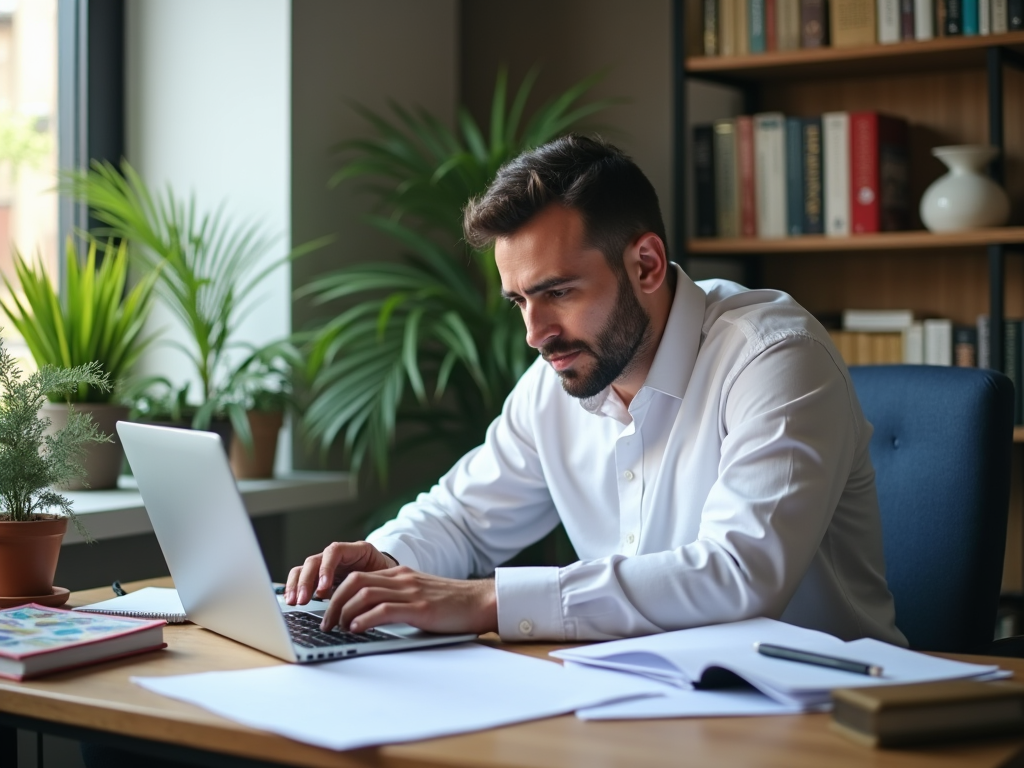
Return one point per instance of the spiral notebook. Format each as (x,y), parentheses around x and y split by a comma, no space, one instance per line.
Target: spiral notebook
(146,603)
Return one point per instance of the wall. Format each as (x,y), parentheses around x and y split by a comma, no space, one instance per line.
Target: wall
(207,102)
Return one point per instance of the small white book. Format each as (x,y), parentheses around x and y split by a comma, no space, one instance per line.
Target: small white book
(924,19)
(770,173)
(938,342)
(984,17)
(835,129)
(913,344)
(146,603)
(888,21)
(877,320)
(998,18)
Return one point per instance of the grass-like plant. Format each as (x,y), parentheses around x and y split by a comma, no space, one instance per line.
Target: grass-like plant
(208,267)
(434,325)
(32,461)
(94,321)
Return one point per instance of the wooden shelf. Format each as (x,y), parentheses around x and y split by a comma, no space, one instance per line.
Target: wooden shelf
(883,241)
(945,53)
(1018,434)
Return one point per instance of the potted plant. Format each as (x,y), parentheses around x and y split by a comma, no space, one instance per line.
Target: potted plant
(430,341)
(94,320)
(208,273)
(33,516)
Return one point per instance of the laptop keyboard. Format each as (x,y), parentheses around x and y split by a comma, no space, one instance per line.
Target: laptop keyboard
(304,629)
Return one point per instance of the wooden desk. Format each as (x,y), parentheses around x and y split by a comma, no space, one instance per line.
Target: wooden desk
(100,703)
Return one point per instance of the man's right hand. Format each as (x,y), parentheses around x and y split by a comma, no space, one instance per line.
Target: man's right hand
(321,574)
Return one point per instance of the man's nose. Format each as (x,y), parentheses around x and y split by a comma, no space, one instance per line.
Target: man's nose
(540,327)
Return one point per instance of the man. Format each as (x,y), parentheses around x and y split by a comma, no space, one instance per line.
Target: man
(701,443)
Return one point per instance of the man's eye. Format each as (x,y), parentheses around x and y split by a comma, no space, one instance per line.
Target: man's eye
(558,293)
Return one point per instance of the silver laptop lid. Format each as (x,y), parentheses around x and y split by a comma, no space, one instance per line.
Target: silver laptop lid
(205,534)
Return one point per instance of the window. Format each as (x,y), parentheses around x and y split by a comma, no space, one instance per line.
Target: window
(28,137)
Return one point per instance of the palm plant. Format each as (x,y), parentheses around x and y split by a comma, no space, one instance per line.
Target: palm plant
(207,266)
(434,325)
(94,320)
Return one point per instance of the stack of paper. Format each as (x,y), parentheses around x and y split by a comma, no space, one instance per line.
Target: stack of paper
(696,658)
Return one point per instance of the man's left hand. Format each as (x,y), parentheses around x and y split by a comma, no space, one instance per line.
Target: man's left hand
(368,599)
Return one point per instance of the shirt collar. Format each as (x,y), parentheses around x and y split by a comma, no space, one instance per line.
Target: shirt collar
(677,353)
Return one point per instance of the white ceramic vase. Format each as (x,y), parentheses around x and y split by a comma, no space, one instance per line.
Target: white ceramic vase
(965,198)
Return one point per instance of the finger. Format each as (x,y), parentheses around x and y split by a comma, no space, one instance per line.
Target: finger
(346,591)
(338,560)
(367,598)
(414,613)
(308,577)
(291,584)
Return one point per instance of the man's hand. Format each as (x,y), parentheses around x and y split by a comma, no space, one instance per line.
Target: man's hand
(366,600)
(320,574)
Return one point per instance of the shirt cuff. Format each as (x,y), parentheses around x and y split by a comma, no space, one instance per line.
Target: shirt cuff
(529,604)
(395,547)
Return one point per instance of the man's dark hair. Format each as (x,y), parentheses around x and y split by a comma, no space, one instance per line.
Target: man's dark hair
(615,199)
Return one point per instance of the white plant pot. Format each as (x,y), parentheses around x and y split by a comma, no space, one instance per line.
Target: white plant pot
(965,198)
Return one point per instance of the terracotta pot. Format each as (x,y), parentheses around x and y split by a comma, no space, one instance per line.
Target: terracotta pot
(259,462)
(28,555)
(102,461)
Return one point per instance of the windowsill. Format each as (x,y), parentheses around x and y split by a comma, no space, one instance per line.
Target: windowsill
(116,513)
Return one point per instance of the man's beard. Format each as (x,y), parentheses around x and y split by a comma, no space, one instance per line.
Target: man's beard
(618,344)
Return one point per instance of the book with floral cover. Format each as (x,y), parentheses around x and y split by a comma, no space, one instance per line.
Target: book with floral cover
(36,640)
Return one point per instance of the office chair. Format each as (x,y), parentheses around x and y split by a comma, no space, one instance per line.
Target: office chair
(941,450)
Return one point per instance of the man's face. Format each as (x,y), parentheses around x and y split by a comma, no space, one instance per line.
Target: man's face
(583,317)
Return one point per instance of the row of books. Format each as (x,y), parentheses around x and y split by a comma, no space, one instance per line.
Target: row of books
(740,27)
(881,337)
(772,176)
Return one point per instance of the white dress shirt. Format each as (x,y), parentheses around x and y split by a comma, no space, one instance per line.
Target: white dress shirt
(736,484)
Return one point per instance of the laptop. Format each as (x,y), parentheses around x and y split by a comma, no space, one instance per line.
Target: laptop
(211,550)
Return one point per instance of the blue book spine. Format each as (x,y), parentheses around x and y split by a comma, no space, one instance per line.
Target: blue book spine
(794,176)
(970,17)
(758,33)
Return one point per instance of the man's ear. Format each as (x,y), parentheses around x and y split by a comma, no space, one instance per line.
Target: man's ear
(649,262)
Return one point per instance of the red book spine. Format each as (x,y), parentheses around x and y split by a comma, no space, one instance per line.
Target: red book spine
(865,208)
(771,32)
(745,152)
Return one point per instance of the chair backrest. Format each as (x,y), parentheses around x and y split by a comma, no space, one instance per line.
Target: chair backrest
(941,450)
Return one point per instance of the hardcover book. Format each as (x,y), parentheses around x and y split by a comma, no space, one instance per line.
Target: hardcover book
(954,17)
(794,176)
(906,19)
(813,186)
(727,197)
(969,11)
(788,24)
(771,25)
(727,27)
(742,27)
(879,173)
(835,129)
(770,174)
(938,341)
(965,346)
(747,181)
(888,21)
(813,23)
(984,17)
(710,27)
(1000,22)
(1015,15)
(35,640)
(758,32)
(704,179)
(853,23)
(924,19)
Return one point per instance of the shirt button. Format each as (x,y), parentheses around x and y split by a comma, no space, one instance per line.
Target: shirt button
(630,539)
(628,475)
(526,626)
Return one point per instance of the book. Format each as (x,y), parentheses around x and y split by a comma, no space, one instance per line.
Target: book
(757,27)
(954,17)
(906,19)
(924,19)
(999,17)
(727,195)
(787,24)
(969,14)
(835,129)
(742,20)
(704,179)
(965,346)
(710,27)
(1014,15)
(145,603)
(1012,362)
(913,344)
(746,168)
(35,640)
(879,173)
(938,341)
(901,715)
(771,25)
(984,17)
(813,23)
(727,27)
(813,190)
(876,320)
(888,21)
(770,174)
(852,23)
(864,348)
(984,342)
(794,176)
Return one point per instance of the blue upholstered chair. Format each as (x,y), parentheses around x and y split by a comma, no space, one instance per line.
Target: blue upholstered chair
(941,449)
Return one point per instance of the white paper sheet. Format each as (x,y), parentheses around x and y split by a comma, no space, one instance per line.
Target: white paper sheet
(398,697)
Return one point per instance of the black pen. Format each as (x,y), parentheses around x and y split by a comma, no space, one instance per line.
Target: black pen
(820,660)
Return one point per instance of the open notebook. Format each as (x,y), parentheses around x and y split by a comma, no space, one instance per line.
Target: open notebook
(146,603)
